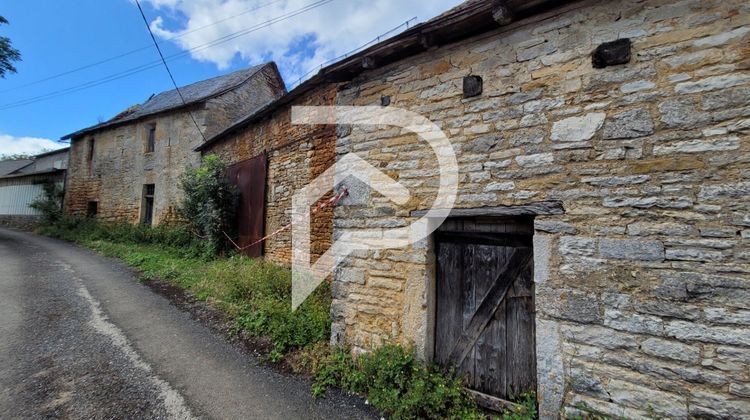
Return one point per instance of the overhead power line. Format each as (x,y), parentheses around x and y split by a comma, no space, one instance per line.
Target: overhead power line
(131,52)
(171,77)
(154,64)
(358,49)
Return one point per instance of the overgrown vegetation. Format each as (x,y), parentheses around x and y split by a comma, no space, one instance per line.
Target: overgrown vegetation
(257,296)
(210,202)
(8,54)
(396,383)
(50,203)
(254,293)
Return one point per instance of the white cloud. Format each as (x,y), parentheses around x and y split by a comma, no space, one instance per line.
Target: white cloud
(325,32)
(11,145)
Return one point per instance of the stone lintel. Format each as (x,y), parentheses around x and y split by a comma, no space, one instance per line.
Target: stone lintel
(541,208)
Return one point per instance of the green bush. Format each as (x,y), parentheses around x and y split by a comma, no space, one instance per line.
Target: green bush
(396,383)
(258,294)
(50,203)
(210,202)
(255,293)
(84,231)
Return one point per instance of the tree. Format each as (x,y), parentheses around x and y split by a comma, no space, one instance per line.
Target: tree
(50,203)
(8,54)
(210,202)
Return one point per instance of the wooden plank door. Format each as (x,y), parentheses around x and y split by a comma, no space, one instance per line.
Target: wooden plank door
(485,310)
(250,178)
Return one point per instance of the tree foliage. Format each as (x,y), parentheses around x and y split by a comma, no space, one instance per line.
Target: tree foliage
(8,54)
(50,203)
(210,202)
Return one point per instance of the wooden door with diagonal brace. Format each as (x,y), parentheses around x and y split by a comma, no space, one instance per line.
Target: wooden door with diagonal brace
(485,305)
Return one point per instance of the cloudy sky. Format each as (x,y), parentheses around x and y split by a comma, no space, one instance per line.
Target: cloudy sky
(93,58)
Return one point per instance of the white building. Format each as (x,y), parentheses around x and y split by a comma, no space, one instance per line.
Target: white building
(22,181)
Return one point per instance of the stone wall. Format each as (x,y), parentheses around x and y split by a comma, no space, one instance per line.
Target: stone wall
(643,285)
(19,222)
(119,168)
(296,155)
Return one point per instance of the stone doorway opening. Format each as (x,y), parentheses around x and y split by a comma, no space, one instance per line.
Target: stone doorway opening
(485,308)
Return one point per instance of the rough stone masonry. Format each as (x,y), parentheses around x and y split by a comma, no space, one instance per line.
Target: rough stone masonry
(643,285)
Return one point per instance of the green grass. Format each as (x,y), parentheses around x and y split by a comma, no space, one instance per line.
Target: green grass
(254,293)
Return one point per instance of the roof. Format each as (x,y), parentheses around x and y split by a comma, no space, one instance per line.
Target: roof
(170,100)
(37,165)
(53,152)
(7,167)
(469,18)
(22,174)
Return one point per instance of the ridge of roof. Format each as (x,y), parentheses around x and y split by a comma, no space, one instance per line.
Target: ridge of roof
(169,100)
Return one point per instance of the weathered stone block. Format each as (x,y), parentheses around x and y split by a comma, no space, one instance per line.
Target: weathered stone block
(635,323)
(726,99)
(612,181)
(629,124)
(571,246)
(663,403)
(681,112)
(697,146)
(485,144)
(693,254)
(666,229)
(671,350)
(631,249)
(711,405)
(533,161)
(637,86)
(571,305)
(713,192)
(684,330)
(594,335)
(578,128)
(713,83)
(668,309)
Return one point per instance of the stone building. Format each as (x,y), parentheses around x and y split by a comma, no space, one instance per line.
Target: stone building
(622,167)
(291,155)
(22,182)
(128,168)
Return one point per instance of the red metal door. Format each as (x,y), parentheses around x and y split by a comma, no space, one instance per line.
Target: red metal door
(250,178)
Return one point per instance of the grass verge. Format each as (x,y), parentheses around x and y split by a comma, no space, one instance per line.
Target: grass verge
(256,296)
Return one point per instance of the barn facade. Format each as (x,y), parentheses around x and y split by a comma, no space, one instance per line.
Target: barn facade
(598,249)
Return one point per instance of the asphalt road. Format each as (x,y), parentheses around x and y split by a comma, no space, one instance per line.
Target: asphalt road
(81,338)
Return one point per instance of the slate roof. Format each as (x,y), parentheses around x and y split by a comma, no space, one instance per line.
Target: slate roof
(9,166)
(169,100)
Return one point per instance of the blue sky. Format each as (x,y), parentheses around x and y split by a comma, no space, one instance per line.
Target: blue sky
(58,36)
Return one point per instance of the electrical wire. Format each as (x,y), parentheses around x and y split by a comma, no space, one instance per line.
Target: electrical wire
(171,77)
(131,52)
(154,64)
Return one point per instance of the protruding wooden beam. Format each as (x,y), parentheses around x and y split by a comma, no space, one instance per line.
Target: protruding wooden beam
(502,13)
(426,41)
(369,63)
